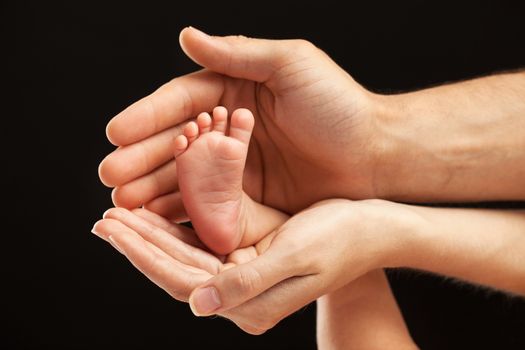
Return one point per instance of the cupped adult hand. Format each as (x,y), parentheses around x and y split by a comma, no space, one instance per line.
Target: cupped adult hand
(317,251)
(314,131)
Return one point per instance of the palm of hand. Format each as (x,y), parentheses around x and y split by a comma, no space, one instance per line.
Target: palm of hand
(313,123)
(305,120)
(172,257)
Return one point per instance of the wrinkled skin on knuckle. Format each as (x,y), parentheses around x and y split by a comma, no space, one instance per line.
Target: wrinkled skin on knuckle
(306,49)
(293,51)
(304,46)
(298,248)
(245,280)
(300,257)
(236,41)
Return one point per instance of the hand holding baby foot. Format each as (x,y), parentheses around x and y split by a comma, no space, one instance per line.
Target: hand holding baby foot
(297,94)
(210,157)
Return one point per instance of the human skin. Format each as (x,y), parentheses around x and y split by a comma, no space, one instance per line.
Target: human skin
(457,142)
(362,298)
(362,315)
(210,162)
(319,134)
(291,87)
(210,157)
(320,250)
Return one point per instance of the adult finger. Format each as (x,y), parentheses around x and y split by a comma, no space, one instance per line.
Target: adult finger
(131,162)
(172,246)
(264,311)
(181,232)
(176,278)
(239,284)
(169,206)
(171,104)
(146,188)
(238,56)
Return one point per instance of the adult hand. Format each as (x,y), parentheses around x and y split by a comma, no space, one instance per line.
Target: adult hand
(313,137)
(319,134)
(318,251)
(257,286)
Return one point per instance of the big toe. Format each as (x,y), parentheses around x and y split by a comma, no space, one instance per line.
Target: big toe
(241,125)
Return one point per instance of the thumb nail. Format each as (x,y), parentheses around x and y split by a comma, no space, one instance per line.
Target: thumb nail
(197,31)
(205,301)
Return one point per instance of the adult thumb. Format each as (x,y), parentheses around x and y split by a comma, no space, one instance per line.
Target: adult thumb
(239,284)
(238,56)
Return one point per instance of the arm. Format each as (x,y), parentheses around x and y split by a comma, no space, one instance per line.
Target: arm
(457,142)
(320,250)
(170,255)
(480,246)
(362,315)
(311,256)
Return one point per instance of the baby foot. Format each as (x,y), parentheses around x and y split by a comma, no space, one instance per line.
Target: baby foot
(210,157)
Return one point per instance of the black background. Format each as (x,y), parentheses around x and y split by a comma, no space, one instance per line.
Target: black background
(71,65)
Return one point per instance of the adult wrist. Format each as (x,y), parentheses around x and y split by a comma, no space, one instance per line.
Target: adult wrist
(388,153)
(398,233)
(415,156)
(430,150)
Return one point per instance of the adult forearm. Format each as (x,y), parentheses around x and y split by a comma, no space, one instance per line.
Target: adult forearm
(480,246)
(457,142)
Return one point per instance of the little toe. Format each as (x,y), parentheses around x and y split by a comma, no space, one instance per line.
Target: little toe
(180,145)
(191,131)
(220,119)
(204,123)
(241,125)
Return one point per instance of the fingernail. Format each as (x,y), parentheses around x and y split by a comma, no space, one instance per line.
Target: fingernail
(114,213)
(204,301)
(115,244)
(94,230)
(198,31)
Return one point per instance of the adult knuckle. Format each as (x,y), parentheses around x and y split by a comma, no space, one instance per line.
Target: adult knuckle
(157,182)
(294,256)
(263,318)
(146,229)
(246,280)
(252,330)
(265,323)
(176,91)
(175,294)
(151,264)
(304,46)
(244,324)
(236,41)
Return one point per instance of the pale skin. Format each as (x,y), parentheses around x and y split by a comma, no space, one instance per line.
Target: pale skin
(459,142)
(210,157)
(362,315)
(342,314)
(318,251)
